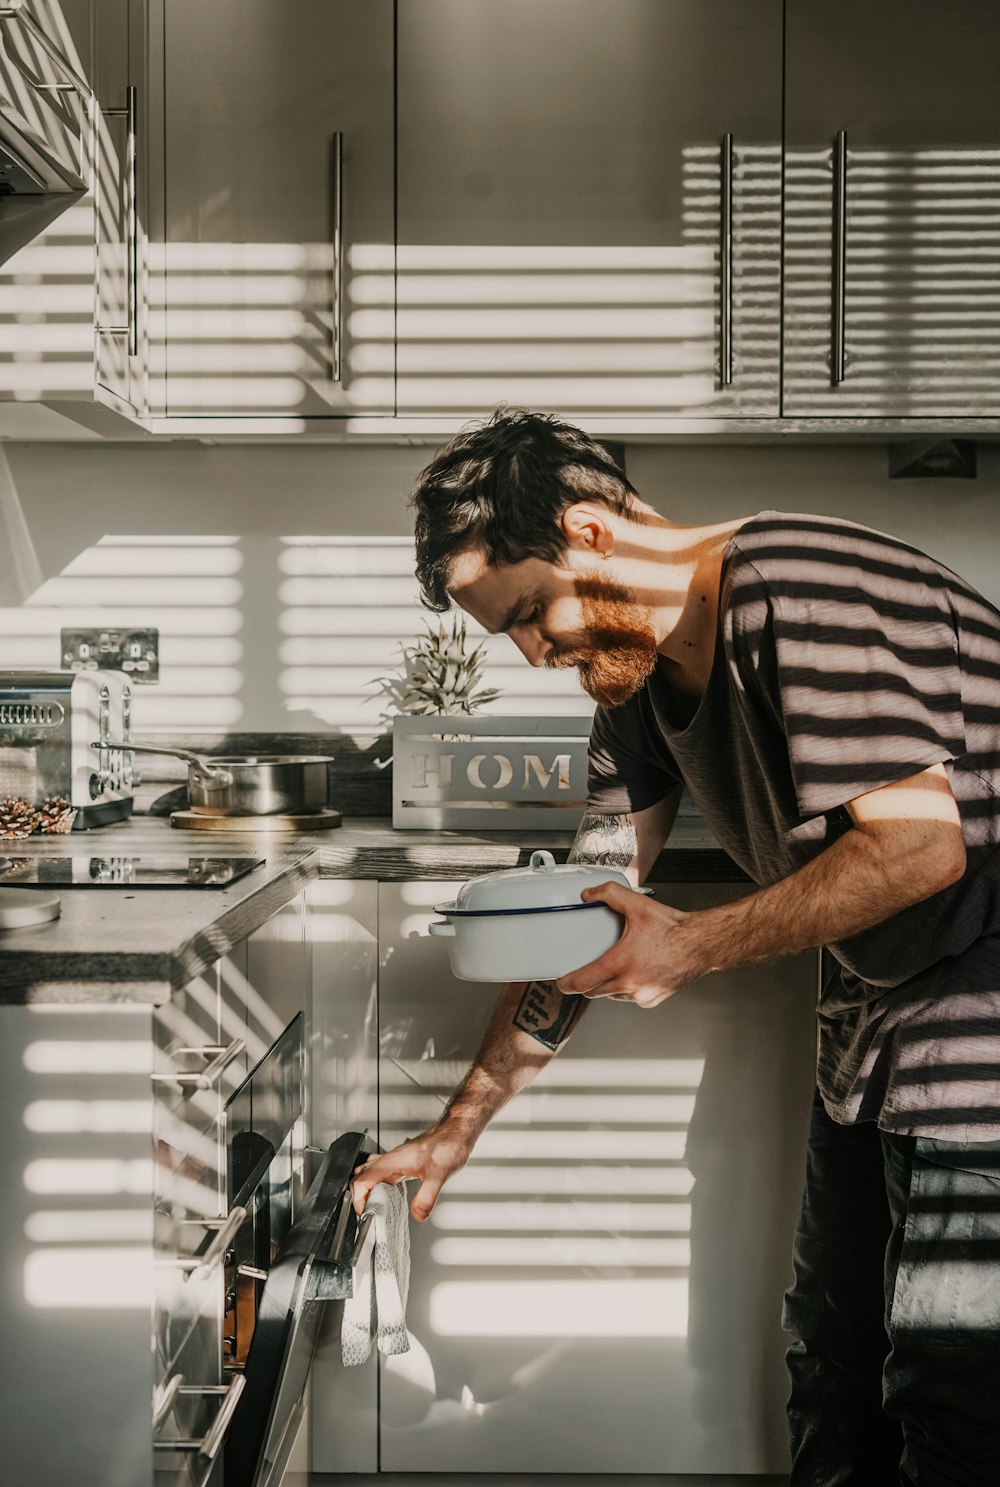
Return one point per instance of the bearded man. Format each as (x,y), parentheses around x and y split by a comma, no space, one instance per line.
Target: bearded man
(831,698)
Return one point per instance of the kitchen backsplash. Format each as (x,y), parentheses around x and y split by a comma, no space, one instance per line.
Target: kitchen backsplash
(282,580)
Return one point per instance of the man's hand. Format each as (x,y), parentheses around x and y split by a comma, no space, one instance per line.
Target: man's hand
(654,958)
(432,1158)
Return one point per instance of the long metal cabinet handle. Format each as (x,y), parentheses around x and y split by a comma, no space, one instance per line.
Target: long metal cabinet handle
(131,327)
(131,111)
(726,264)
(208,1447)
(203,1078)
(337,233)
(837,361)
(14,11)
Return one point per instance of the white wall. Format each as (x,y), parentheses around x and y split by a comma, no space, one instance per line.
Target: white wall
(957,521)
(261,630)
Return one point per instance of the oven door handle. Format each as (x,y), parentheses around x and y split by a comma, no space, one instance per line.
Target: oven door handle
(338,1260)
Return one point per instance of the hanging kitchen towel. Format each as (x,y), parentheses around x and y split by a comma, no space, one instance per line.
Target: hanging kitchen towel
(377,1310)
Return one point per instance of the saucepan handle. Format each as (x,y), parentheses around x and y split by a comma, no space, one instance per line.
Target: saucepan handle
(203,771)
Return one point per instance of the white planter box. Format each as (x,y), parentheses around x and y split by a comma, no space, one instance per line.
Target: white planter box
(489,773)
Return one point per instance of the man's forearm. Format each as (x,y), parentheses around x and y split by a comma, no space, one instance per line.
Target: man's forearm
(532,1021)
(850,887)
(509,1058)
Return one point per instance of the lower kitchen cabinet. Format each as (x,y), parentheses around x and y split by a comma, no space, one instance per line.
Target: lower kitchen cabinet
(77,1370)
(600,1289)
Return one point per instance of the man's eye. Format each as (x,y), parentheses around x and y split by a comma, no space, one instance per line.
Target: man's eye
(533,616)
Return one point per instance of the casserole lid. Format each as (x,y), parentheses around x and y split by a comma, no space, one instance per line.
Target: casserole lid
(540,885)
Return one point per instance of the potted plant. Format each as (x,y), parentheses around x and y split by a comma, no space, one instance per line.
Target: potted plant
(440,674)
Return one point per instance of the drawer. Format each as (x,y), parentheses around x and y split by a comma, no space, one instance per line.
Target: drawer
(234,994)
(197,1061)
(190,1205)
(189,1020)
(190,1161)
(181,1412)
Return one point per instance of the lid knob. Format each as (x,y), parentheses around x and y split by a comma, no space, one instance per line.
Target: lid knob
(542,862)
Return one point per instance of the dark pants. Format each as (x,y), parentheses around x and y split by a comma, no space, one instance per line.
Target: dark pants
(895,1312)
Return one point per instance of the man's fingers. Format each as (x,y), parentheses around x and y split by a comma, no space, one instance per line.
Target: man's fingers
(425,1197)
(374,1171)
(623,900)
(591,977)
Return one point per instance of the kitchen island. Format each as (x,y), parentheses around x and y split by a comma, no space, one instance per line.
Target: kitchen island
(626,1218)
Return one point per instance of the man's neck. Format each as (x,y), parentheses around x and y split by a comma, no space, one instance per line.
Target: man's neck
(687,649)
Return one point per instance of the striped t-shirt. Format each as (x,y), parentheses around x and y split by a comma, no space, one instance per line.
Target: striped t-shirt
(846,660)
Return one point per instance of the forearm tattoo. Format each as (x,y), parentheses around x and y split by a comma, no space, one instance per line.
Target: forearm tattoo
(608,841)
(543,1012)
(546,1015)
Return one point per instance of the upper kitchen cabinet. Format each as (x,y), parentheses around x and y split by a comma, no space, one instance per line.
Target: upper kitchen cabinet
(46,202)
(277,274)
(589,201)
(121,178)
(892,230)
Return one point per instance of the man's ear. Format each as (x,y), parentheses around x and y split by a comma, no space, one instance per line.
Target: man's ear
(587,528)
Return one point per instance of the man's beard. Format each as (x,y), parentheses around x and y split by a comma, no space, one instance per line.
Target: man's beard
(615,651)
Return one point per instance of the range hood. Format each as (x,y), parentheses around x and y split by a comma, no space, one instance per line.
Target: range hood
(46,128)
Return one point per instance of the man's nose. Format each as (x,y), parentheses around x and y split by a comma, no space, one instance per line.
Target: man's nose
(532,645)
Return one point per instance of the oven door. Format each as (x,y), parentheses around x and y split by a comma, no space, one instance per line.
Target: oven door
(317,1262)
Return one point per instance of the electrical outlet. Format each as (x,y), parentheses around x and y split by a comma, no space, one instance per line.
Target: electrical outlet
(136,652)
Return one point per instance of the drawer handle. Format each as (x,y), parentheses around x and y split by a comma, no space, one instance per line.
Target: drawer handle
(163,1399)
(208,1447)
(204,1078)
(228,1227)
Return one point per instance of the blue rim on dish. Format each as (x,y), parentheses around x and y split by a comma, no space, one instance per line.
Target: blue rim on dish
(594,903)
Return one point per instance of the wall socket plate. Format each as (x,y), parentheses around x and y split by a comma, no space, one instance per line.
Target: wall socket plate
(136,652)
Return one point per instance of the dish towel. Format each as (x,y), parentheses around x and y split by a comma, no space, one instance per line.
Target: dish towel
(377,1310)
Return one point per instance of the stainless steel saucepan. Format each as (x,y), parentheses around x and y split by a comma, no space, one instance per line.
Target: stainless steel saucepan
(254,785)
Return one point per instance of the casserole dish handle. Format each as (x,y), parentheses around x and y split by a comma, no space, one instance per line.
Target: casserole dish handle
(442,928)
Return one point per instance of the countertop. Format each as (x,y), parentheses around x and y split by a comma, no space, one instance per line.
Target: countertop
(136,944)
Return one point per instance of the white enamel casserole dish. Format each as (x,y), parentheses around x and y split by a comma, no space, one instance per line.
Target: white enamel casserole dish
(529,923)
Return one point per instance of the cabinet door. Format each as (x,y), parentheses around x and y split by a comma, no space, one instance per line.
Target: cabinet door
(921,208)
(599,1290)
(120,181)
(76,1295)
(47,239)
(560,190)
(278,207)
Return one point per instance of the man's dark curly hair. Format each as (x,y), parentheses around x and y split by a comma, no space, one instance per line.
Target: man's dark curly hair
(502,486)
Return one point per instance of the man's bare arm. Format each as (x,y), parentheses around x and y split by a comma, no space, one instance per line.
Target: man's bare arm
(905,845)
(530,1023)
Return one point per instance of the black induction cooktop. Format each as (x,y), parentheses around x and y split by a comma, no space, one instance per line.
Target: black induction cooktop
(148,871)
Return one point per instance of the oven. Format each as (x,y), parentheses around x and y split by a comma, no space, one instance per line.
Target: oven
(289,1242)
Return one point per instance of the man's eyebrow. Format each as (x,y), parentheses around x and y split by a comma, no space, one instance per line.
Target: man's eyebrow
(511,616)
